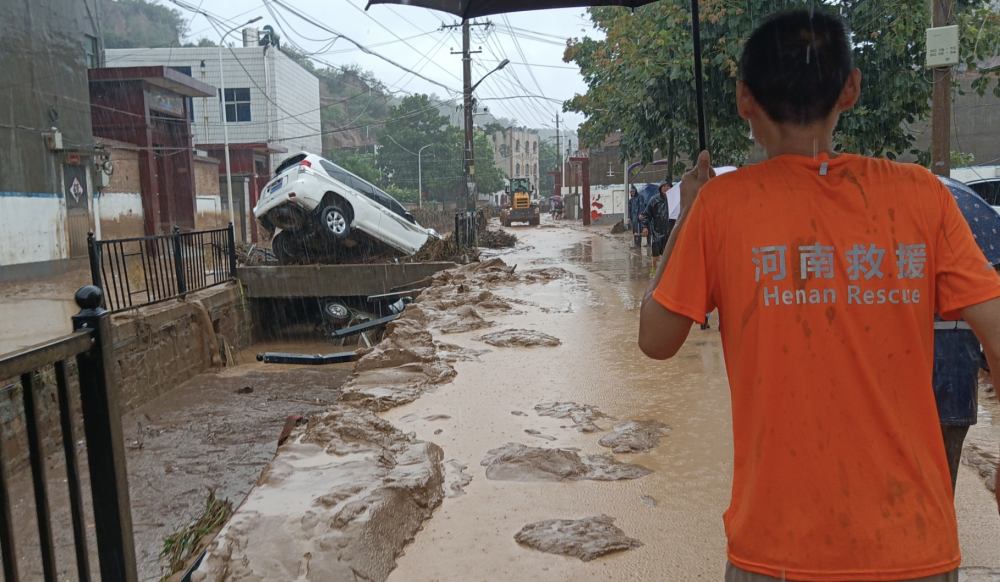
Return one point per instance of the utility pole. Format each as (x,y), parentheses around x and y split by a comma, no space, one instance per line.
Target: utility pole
(941,101)
(558,151)
(470,154)
(467,88)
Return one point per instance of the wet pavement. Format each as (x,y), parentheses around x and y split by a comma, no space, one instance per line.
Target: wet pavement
(37,311)
(675,511)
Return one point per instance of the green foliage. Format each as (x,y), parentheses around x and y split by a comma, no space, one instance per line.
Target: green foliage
(180,546)
(353,102)
(547,162)
(641,81)
(415,124)
(961,160)
(360,164)
(140,24)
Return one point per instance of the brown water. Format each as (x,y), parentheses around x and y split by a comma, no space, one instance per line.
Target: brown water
(676,511)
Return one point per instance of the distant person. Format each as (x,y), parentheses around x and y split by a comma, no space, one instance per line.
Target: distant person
(557,206)
(656,221)
(634,212)
(827,268)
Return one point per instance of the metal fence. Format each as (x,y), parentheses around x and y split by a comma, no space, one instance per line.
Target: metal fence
(90,346)
(466,231)
(134,272)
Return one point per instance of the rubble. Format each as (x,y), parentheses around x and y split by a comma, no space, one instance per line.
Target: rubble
(587,538)
(517,462)
(347,479)
(582,415)
(634,436)
(524,338)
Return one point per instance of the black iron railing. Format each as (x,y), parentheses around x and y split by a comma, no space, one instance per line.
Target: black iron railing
(89,345)
(134,272)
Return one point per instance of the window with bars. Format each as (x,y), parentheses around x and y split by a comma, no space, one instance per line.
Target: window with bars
(237,105)
(90,45)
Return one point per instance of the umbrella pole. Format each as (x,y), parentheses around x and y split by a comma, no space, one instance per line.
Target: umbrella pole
(699,82)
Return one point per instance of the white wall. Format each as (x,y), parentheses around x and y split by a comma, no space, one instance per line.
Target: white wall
(291,109)
(613,198)
(32,228)
(118,205)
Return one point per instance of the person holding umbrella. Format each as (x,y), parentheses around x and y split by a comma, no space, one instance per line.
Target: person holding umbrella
(634,214)
(957,354)
(656,222)
(828,269)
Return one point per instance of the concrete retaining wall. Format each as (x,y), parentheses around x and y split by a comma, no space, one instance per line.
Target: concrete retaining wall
(156,348)
(159,347)
(32,228)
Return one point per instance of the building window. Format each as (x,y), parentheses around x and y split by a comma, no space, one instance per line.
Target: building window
(237,105)
(90,45)
(518,166)
(534,171)
(518,147)
(534,147)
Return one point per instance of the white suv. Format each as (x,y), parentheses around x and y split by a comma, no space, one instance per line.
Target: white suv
(323,211)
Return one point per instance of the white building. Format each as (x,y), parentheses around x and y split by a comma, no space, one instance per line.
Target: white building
(515,153)
(269,98)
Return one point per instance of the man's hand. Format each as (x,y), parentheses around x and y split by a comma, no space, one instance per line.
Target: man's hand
(693,181)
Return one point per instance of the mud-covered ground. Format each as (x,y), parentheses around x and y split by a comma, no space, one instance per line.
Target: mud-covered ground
(36,311)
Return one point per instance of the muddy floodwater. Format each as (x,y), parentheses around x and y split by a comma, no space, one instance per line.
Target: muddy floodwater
(514,394)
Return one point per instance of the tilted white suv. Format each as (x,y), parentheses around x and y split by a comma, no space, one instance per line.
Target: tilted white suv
(322,210)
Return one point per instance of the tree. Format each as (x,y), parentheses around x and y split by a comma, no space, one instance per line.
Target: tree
(548,161)
(415,123)
(140,24)
(640,76)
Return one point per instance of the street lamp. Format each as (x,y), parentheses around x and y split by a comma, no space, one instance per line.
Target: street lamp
(470,158)
(420,178)
(225,125)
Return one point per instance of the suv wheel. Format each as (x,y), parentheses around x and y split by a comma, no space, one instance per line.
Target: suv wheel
(336,312)
(335,222)
(285,248)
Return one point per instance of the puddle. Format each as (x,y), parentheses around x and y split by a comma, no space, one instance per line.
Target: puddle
(587,538)
(635,436)
(517,462)
(524,338)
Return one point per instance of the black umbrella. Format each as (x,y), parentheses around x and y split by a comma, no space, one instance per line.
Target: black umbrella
(982,218)
(467,9)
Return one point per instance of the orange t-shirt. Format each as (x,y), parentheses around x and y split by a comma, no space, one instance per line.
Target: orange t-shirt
(826,287)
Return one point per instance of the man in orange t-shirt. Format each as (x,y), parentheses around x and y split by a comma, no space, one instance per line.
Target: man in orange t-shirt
(827,270)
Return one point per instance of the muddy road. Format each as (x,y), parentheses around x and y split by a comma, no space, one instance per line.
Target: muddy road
(519,421)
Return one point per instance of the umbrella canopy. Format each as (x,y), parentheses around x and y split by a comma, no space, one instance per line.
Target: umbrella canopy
(982,218)
(476,8)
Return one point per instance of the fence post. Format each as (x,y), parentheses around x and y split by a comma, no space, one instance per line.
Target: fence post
(458,233)
(179,263)
(105,446)
(94,253)
(232,251)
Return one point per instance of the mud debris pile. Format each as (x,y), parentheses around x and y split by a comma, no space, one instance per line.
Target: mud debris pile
(524,338)
(634,436)
(582,415)
(349,477)
(587,538)
(517,462)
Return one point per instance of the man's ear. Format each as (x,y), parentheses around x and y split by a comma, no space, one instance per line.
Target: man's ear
(851,92)
(746,105)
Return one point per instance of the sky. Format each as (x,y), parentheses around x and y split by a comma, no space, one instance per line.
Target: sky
(533,41)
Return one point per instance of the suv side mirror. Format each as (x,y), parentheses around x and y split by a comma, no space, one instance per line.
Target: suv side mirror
(409,216)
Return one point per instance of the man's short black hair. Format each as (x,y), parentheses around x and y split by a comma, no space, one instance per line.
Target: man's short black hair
(796,65)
